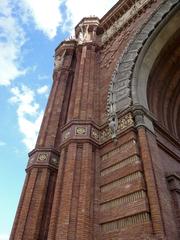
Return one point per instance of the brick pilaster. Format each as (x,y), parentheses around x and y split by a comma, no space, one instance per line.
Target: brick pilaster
(85,204)
(38,188)
(59,96)
(84,101)
(153,197)
(64,209)
(57,197)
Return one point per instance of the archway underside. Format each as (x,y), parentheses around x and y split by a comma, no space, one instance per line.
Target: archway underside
(163,89)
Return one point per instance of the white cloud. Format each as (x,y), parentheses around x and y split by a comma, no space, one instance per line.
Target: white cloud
(43,90)
(78,9)
(45,13)
(28,112)
(48,14)
(43,77)
(4,237)
(12,38)
(47,17)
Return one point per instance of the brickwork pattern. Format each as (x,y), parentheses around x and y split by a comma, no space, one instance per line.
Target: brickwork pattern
(81,183)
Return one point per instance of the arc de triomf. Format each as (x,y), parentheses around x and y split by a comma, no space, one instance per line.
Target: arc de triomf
(106,165)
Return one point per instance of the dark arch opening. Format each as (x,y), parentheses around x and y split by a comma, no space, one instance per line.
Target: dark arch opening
(163,88)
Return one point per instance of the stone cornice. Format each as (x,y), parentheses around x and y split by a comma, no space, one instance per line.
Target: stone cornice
(66,44)
(114,13)
(119,16)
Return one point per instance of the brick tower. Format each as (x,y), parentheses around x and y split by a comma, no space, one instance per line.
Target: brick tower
(106,165)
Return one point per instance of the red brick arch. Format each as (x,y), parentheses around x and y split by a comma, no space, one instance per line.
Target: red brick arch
(129,80)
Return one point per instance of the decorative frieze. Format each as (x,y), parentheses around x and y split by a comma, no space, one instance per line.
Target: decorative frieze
(125,122)
(43,157)
(122,181)
(80,131)
(125,222)
(105,134)
(131,160)
(125,18)
(123,200)
(122,124)
(95,134)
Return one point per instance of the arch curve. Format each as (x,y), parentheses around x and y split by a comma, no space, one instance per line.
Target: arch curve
(149,53)
(129,80)
(163,86)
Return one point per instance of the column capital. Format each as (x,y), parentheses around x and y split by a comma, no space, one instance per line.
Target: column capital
(143,117)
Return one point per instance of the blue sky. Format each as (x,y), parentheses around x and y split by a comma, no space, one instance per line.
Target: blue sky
(30,30)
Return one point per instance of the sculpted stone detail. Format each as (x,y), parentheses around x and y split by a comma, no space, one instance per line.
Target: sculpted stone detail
(54,161)
(122,77)
(46,157)
(67,135)
(139,117)
(124,19)
(105,134)
(98,134)
(121,124)
(95,134)
(86,30)
(84,35)
(113,122)
(173,180)
(125,122)
(42,157)
(58,62)
(80,131)
(113,125)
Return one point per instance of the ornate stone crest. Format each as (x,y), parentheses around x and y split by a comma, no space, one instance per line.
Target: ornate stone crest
(42,157)
(80,131)
(95,134)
